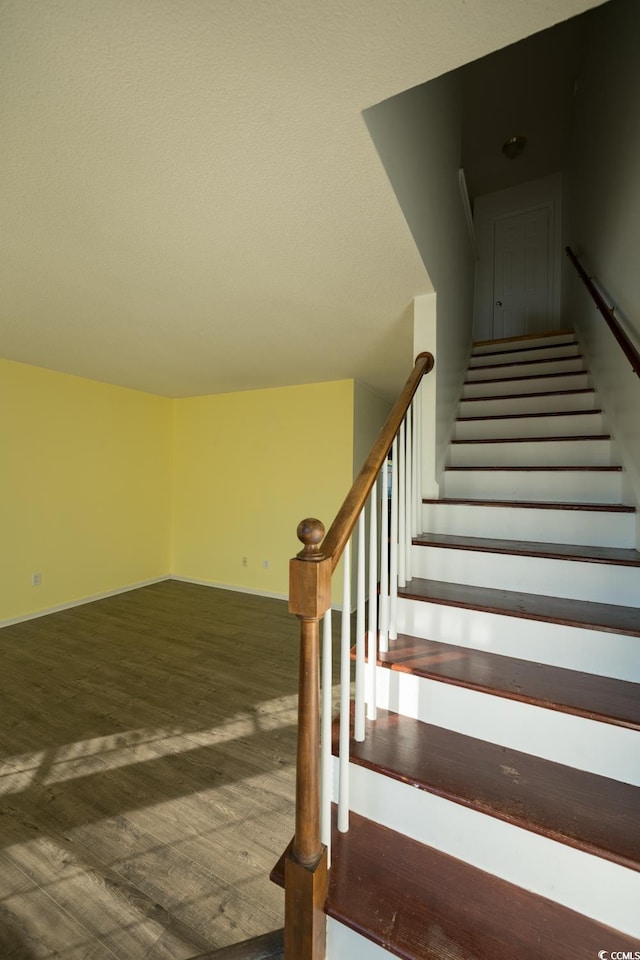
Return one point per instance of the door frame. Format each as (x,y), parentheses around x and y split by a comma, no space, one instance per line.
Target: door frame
(545,192)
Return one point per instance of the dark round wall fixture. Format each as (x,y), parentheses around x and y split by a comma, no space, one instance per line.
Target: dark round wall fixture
(514,147)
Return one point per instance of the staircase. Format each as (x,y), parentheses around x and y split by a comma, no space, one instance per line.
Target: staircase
(496,799)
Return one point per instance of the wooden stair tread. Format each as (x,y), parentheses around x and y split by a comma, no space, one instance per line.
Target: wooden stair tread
(521,439)
(555,469)
(523,337)
(268,946)
(521,396)
(556,688)
(422,904)
(277,873)
(526,379)
(533,504)
(608,617)
(622,556)
(582,810)
(540,346)
(524,362)
(524,416)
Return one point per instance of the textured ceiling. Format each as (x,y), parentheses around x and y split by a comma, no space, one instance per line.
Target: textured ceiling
(190,200)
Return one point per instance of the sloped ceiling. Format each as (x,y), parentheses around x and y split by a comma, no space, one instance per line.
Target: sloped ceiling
(524,89)
(190,200)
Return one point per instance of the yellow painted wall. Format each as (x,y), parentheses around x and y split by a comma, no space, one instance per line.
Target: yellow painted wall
(370,410)
(85,488)
(247,468)
(102,488)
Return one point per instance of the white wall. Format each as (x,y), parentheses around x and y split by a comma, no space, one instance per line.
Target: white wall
(545,191)
(418,137)
(425,338)
(602,222)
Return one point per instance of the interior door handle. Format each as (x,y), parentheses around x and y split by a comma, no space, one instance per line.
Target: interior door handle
(498,303)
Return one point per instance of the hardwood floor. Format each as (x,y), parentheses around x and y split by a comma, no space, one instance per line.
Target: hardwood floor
(146,774)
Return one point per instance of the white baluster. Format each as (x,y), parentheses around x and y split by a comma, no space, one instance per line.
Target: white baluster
(372,638)
(419,397)
(325,748)
(384,557)
(402,505)
(345,693)
(393,546)
(415,510)
(360,614)
(408,498)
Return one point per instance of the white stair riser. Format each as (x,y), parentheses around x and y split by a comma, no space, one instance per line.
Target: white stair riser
(520,355)
(540,403)
(573,648)
(514,343)
(560,425)
(595,528)
(343,943)
(601,748)
(522,385)
(579,486)
(526,369)
(573,579)
(522,453)
(585,883)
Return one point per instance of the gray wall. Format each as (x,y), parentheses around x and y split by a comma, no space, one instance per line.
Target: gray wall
(602,213)
(418,137)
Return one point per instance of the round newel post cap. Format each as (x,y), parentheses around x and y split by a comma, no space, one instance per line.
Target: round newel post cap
(311,534)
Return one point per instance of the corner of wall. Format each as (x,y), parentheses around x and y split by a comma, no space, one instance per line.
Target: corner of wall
(248,467)
(425,338)
(370,410)
(173,485)
(86,489)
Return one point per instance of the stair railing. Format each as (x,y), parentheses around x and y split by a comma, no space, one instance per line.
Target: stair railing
(390,483)
(607,312)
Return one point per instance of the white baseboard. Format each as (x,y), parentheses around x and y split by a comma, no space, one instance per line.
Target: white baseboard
(229,586)
(257,593)
(145,583)
(78,603)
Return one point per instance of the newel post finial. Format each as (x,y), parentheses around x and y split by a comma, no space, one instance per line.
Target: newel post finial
(311,533)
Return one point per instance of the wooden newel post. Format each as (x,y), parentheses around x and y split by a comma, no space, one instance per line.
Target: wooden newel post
(306,860)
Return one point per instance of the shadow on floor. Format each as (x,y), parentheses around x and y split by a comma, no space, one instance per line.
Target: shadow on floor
(270,946)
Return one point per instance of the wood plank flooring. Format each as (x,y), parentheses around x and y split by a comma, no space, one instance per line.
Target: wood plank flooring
(147,751)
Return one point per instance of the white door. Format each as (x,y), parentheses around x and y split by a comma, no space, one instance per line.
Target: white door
(522,277)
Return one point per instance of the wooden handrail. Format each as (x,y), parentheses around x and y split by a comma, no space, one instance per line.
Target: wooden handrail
(309,599)
(342,527)
(607,312)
